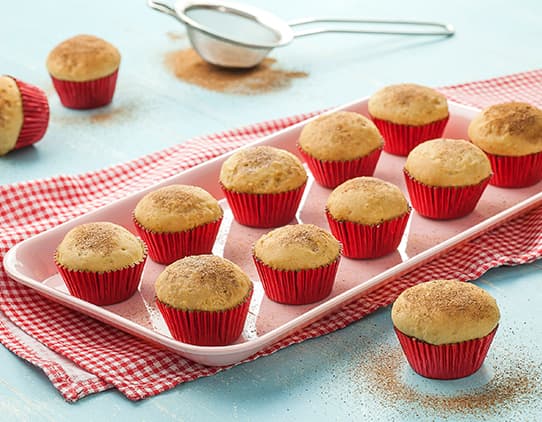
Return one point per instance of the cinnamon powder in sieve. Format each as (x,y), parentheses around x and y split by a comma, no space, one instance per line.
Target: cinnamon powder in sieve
(189,67)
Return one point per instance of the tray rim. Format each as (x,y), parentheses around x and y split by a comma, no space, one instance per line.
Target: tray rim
(253,346)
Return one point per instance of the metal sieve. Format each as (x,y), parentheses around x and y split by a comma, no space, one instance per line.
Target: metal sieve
(235,35)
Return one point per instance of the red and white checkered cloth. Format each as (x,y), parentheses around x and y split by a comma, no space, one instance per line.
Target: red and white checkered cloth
(83,356)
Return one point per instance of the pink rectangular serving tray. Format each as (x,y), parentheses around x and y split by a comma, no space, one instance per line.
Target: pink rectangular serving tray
(31,262)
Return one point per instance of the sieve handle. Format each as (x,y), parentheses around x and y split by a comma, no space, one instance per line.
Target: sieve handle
(162,7)
(433,28)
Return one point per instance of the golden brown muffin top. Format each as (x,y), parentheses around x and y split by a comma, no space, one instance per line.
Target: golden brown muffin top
(445,311)
(262,169)
(11,114)
(366,200)
(83,58)
(297,247)
(99,247)
(176,208)
(448,162)
(408,104)
(511,129)
(340,136)
(202,283)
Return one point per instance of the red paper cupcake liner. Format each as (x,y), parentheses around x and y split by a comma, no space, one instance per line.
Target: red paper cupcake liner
(515,172)
(166,248)
(443,203)
(104,288)
(86,94)
(206,328)
(445,361)
(331,174)
(297,287)
(35,114)
(401,139)
(264,210)
(368,241)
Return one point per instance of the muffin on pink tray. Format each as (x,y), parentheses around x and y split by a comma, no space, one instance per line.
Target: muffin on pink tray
(24,114)
(84,71)
(368,216)
(407,115)
(101,262)
(297,264)
(340,146)
(511,136)
(176,221)
(445,327)
(204,300)
(445,178)
(263,185)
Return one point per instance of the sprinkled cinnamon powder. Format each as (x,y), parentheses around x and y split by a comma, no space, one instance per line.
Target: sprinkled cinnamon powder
(102,116)
(189,67)
(175,36)
(516,380)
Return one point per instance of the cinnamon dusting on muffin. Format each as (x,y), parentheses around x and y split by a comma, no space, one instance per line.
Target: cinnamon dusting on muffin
(96,238)
(203,282)
(452,301)
(515,119)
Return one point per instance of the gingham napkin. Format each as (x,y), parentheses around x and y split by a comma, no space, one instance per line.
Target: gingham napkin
(83,356)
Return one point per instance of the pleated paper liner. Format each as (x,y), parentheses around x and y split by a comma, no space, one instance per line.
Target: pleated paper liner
(86,94)
(443,203)
(166,248)
(445,361)
(331,174)
(401,139)
(515,172)
(264,210)
(105,288)
(206,328)
(364,241)
(299,287)
(35,114)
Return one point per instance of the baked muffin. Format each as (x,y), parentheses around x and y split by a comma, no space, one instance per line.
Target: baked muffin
(101,262)
(263,185)
(340,146)
(176,221)
(368,216)
(407,115)
(84,71)
(24,114)
(445,178)
(445,327)
(204,299)
(297,264)
(511,136)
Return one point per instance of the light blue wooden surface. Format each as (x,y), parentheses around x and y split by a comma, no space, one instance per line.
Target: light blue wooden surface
(320,379)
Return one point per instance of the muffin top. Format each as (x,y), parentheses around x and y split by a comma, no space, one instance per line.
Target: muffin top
(83,58)
(366,200)
(99,247)
(262,169)
(408,104)
(176,208)
(448,162)
(202,283)
(297,247)
(11,114)
(445,311)
(512,129)
(340,136)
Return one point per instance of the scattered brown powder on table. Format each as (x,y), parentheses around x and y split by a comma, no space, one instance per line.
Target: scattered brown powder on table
(175,36)
(516,380)
(101,116)
(189,67)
